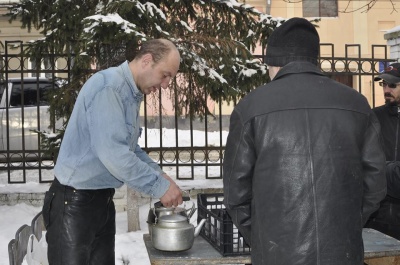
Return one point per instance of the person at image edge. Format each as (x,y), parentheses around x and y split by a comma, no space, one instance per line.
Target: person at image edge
(387,218)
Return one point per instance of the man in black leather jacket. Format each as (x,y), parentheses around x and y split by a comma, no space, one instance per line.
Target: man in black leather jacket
(304,163)
(387,218)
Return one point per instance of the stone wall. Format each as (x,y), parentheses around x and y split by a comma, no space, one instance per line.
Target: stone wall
(36,198)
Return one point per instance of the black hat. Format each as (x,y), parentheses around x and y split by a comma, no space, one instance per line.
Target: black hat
(391,74)
(295,40)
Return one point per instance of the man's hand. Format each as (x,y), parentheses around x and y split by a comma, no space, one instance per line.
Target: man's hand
(173,196)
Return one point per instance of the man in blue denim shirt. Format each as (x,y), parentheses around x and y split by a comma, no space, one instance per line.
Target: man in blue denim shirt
(100,152)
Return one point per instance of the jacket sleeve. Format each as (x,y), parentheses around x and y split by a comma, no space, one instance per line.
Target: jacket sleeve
(393,178)
(239,160)
(373,160)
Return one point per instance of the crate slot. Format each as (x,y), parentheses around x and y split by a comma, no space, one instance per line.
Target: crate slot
(219,229)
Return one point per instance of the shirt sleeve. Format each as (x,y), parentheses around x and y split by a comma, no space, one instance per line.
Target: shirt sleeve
(145,158)
(109,140)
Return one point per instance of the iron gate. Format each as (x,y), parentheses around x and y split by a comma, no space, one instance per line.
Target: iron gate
(185,161)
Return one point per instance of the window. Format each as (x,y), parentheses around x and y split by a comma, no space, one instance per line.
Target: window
(320,8)
(29,96)
(2,88)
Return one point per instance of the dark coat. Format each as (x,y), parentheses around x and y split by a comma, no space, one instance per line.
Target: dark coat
(389,119)
(387,218)
(303,169)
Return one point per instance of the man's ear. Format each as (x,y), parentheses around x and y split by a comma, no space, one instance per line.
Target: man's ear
(147,59)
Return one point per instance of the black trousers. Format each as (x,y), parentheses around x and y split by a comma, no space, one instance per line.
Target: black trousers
(80,225)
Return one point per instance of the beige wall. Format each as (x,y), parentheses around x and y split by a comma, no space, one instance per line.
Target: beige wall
(364,28)
(13,31)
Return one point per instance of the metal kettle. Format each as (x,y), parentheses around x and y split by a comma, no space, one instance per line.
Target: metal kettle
(159,210)
(174,233)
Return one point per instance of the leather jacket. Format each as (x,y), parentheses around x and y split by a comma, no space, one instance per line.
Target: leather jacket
(303,169)
(387,218)
(389,119)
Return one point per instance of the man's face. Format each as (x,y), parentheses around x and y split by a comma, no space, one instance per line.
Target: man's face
(392,95)
(158,75)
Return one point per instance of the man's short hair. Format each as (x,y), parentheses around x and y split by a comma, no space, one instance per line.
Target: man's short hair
(158,48)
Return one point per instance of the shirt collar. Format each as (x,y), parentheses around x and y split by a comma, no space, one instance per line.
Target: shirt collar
(129,79)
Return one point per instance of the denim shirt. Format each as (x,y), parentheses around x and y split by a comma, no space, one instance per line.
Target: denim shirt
(100,146)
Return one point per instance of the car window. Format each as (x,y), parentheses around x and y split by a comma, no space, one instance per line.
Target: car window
(2,87)
(29,97)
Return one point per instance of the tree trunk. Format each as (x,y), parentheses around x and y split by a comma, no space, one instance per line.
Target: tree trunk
(132,205)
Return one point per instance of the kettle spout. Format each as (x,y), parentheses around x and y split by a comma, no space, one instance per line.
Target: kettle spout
(198,227)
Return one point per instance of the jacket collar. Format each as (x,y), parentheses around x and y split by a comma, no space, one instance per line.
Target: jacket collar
(296,68)
(392,109)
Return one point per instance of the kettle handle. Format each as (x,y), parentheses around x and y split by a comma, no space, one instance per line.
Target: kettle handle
(159,203)
(191,211)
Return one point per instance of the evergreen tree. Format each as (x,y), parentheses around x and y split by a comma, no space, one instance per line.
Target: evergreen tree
(216,39)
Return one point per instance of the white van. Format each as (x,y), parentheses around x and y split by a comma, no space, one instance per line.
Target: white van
(23,108)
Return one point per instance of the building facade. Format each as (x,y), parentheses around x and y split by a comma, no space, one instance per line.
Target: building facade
(345,23)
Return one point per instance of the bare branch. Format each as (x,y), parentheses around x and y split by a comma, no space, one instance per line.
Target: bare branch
(368,6)
(293,1)
(393,6)
(363,9)
(348,3)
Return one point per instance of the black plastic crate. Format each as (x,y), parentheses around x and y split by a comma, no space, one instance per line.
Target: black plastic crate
(218,229)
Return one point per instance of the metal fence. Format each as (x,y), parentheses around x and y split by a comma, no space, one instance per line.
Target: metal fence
(162,134)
